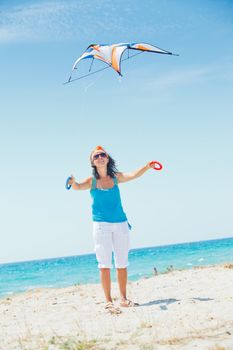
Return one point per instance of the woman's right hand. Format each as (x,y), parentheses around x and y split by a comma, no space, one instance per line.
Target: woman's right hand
(71,180)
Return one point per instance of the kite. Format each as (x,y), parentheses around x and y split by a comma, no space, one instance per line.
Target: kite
(112,55)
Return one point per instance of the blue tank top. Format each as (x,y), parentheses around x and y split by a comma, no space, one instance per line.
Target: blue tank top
(106,203)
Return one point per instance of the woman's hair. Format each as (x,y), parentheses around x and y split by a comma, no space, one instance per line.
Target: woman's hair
(111,168)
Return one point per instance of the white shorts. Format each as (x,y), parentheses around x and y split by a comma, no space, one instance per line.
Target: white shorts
(108,238)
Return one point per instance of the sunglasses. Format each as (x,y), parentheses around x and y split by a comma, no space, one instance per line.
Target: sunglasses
(102,155)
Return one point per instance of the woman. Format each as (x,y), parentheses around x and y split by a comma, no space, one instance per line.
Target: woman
(111,229)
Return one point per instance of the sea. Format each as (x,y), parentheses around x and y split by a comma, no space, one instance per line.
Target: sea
(82,269)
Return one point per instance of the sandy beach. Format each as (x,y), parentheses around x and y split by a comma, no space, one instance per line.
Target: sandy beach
(189,309)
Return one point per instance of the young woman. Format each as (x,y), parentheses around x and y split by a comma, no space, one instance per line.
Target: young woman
(110,225)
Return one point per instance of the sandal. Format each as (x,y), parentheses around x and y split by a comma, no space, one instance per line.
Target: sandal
(128,303)
(112,309)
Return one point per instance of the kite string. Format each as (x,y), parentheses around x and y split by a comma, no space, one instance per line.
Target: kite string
(92,83)
(86,75)
(100,70)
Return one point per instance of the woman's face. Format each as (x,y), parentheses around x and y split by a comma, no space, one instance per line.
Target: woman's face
(100,159)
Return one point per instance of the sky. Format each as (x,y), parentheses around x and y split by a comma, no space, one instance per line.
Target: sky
(174,109)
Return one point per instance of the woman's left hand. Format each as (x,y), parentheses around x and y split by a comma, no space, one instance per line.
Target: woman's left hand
(150,165)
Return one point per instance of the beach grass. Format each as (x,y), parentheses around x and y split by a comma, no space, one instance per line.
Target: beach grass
(57,343)
(74,344)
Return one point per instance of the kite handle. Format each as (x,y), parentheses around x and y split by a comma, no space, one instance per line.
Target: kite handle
(156,165)
(68,186)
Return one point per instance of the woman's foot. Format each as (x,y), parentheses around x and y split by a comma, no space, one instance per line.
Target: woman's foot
(128,303)
(112,309)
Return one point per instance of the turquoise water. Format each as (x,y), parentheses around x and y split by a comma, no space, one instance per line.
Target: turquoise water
(66,271)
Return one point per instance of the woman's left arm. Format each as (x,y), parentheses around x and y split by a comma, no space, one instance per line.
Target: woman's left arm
(124,177)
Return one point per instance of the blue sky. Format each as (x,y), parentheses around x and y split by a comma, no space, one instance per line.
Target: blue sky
(177,110)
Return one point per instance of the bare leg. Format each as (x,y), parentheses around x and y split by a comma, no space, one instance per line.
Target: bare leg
(105,278)
(122,282)
(122,276)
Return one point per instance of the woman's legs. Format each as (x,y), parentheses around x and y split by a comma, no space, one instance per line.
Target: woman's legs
(105,278)
(122,276)
(106,237)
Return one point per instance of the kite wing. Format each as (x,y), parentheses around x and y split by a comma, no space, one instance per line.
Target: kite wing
(148,47)
(100,52)
(112,54)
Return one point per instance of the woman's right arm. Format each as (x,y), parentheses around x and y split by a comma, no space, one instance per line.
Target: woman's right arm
(84,185)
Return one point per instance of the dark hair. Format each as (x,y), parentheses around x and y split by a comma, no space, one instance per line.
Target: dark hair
(111,168)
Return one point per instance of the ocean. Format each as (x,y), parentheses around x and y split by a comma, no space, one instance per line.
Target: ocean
(82,269)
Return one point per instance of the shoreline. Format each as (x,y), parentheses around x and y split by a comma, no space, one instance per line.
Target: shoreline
(180,309)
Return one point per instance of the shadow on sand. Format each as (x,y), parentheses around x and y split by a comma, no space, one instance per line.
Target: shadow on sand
(165,302)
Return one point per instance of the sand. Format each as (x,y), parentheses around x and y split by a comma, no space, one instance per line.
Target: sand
(189,309)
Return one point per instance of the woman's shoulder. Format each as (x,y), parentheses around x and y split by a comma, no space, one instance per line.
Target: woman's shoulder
(92,181)
(118,176)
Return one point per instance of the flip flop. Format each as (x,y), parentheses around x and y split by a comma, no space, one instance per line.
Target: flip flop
(128,303)
(112,309)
